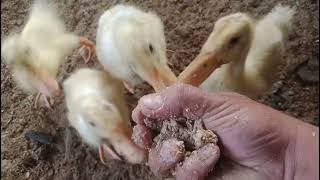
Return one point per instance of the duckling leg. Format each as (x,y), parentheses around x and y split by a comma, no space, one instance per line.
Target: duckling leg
(36,100)
(170,51)
(110,151)
(129,87)
(87,50)
(101,155)
(43,99)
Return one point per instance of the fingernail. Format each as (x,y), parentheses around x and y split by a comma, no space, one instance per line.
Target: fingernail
(153,102)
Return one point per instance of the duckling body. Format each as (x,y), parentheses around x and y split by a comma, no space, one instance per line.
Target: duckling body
(131,46)
(97,110)
(254,65)
(36,53)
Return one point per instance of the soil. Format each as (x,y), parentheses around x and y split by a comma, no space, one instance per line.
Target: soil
(187,25)
(176,139)
(191,132)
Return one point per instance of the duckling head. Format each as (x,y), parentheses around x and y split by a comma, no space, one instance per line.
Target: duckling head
(142,43)
(27,70)
(231,38)
(107,123)
(229,42)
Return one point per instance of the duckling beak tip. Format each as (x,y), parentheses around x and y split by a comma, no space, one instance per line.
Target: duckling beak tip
(164,77)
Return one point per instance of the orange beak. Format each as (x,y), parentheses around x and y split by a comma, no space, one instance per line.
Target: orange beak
(162,78)
(122,147)
(200,68)
(45,83)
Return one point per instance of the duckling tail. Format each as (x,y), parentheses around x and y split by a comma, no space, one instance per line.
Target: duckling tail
(44,13)
(282,17)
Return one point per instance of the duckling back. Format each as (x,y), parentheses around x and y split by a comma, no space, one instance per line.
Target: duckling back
(46,36)
(267,48)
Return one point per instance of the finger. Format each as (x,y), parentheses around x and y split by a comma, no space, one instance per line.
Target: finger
(165,157)
(177,100)
(199,163)
(137,116)
(142,136)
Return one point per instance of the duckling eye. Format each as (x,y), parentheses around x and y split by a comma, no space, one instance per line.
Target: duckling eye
(151,48)
(234,41)
(92,124)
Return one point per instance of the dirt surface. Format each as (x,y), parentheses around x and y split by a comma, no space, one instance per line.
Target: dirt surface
(191,132)
(187,25)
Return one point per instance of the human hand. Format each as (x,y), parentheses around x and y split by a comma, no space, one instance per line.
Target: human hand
(259,142)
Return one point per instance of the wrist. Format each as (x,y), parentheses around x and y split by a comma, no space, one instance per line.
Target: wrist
(305,153)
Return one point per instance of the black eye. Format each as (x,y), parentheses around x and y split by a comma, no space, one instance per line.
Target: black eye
(151,48)
(92,124)
(234,41)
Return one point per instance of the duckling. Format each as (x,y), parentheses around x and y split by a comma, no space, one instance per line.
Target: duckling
(246,52)
(97,110)
(131,46)
(36,53)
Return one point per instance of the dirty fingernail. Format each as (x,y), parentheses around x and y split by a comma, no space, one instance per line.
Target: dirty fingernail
(153,102)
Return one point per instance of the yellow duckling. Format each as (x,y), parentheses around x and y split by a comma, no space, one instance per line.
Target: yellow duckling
(98,111)
(131,46)
(248,51)
(36,53)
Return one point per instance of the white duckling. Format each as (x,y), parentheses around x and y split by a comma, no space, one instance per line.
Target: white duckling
(131,46)
(97,110)
(250,52)
(36,53)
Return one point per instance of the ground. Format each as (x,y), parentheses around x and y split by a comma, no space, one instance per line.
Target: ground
(187,25)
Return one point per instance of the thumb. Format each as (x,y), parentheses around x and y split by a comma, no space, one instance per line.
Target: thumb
(175,101)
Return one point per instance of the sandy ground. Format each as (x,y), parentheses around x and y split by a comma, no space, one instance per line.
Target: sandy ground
(187,25)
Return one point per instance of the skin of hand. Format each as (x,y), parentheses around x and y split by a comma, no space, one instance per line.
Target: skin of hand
(256,142)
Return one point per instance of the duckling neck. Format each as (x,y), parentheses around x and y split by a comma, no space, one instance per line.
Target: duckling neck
(236,67)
